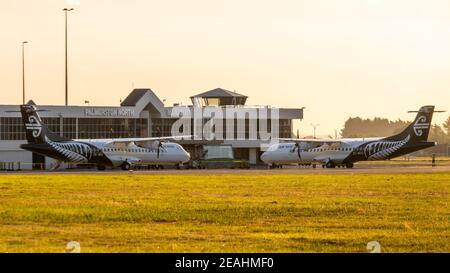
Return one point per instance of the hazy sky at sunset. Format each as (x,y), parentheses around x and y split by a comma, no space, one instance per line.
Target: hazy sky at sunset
(337,58)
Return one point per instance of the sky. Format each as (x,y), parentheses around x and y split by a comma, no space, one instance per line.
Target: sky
(337,58)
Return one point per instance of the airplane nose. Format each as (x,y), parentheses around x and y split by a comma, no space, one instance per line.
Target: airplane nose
(187,157)
(264,156)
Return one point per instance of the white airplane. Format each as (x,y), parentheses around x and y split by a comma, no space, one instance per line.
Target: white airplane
(120,152)
(333,153)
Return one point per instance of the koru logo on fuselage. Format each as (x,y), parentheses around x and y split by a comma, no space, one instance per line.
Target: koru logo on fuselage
(34,125)
(420,125)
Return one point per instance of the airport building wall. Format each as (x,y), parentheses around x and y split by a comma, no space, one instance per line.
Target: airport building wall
(141,114)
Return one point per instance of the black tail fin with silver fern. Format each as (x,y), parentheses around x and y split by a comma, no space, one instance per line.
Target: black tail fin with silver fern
(36,130)
(419,130)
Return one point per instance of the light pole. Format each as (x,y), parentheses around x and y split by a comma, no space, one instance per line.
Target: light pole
(315,127)
(67,84)
(23,71)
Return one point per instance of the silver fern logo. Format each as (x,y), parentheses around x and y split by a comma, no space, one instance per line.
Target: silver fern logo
(73,152)
(383,149)
(34,125)
(420,125)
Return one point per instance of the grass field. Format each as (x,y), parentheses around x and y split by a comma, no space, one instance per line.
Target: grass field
(225,213)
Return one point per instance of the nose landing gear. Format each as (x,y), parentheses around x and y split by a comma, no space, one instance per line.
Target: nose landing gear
(126,166)
(330,165)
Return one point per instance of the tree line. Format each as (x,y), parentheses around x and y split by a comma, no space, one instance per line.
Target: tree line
(380,127)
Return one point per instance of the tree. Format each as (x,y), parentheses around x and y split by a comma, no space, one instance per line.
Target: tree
(446,126)
(378,127)
(437,134)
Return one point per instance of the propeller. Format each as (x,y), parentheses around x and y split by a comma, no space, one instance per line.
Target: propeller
(157,145)
(160,144)
(297,147)
(298,150)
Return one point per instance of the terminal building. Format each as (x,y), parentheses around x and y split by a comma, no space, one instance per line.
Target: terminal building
(141,114)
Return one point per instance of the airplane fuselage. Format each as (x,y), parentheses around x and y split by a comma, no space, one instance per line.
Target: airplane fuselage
(99,152)
(345,152)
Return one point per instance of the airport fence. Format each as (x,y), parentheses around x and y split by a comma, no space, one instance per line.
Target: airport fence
(19,166)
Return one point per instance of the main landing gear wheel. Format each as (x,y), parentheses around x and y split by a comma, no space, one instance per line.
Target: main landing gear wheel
(101,167)
(330,165)
(349,165)
(126,166)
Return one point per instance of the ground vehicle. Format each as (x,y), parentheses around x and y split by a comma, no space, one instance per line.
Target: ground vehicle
(218,157)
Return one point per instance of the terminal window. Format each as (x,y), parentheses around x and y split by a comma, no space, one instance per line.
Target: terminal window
(11,129)
(88,128)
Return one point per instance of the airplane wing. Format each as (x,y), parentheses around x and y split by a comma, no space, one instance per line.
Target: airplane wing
(147,139)
(315,140)
(113,141)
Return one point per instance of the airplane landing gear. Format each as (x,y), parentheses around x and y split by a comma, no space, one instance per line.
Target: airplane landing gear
(330,165)
(101,167)
(126,166)
(349,165)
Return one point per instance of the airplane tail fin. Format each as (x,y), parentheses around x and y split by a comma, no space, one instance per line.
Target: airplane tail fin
(419,130)
(36,130)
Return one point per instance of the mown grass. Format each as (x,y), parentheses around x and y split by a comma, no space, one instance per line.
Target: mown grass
(225,213)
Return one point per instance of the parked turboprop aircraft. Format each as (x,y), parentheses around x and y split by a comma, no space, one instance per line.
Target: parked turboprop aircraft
(120,152)
(331,153)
